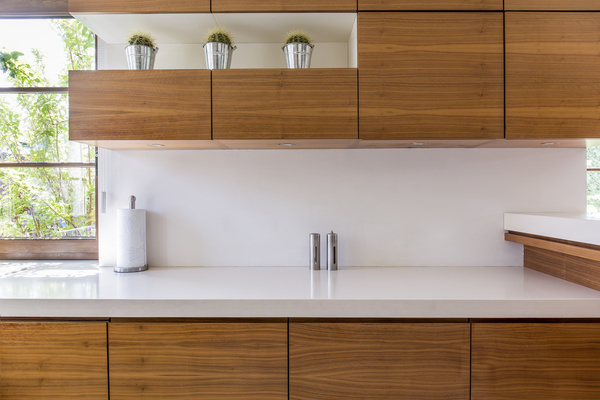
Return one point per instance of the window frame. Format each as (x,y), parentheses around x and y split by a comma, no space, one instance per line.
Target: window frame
(47,248)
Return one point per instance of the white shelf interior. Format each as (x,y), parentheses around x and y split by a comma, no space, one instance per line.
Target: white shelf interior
(258,37)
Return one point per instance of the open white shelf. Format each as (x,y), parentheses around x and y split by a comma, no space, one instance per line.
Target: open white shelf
(258,37)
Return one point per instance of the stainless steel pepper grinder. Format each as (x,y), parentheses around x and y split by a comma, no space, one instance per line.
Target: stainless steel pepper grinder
(332,251)
(314,262)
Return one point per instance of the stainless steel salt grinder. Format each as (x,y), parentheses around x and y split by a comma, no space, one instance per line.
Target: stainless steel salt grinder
(332,251)
(315,252)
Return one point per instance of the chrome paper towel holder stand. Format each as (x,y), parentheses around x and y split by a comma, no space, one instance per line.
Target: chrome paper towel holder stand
(131,239)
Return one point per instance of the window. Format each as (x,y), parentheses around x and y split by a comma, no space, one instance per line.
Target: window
(593,181)
(47,183)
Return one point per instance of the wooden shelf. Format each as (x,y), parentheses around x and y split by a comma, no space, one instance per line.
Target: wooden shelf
(430,5)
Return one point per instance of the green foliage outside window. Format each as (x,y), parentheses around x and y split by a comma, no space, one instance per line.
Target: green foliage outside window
(53,201)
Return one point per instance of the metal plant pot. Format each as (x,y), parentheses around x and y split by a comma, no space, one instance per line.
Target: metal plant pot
(140,57)
(218,55)
(297,55)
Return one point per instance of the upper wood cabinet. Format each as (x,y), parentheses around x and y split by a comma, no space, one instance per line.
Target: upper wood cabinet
(139,6)
(139,105)
(552,75)
(33,8)
(204,360)
(552,5)
(431,75)
(422,5)
(372,360)
(285,104)
(535,361)
(53,360)
(282,5)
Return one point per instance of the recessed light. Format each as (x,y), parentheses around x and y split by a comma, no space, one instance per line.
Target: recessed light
(550,143)
(419,144)
(287,144)
(156,145)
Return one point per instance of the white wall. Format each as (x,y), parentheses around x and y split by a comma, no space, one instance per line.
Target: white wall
(396,207)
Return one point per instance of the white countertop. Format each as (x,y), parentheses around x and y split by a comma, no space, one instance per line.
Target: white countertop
(82,289)
(577,227)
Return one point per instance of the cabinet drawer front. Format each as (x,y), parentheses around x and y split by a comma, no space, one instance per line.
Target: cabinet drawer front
(431,75)
(552,5)
(535,361)
(282,5)
(335,360)
(139,6)
(139,105)
(422,5)
(552,75)
(234,360)
(53,360)
(285,104)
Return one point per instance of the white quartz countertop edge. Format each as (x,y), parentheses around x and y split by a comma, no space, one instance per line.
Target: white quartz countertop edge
(577,227)
(84,290)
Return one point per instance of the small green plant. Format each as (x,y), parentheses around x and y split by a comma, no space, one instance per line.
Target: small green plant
(142,39)
(219,35)
(297,37)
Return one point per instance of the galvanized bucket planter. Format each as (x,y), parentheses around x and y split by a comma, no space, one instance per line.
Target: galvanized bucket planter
(218,55)
(297,55)
(140,57)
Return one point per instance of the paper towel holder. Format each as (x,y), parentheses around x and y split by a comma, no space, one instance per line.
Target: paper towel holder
(134,268)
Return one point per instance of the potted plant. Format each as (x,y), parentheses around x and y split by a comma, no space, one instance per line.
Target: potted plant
(218,48)
(141,51)
(298,49)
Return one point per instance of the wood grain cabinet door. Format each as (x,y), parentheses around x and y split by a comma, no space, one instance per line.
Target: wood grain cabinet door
(422,5)
(285,104)
(383,361)
(431,75)
(552,5)
(535,361)
(552,75)
(222,360)
(139,6)
(139,105)
(282,5)
(53,360)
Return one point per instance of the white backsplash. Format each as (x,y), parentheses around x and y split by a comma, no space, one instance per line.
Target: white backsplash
(393,207)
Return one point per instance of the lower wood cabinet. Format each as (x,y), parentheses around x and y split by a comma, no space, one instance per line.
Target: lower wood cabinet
(305,359)
(203,360)
(364,360)
(535,361)
(53,361)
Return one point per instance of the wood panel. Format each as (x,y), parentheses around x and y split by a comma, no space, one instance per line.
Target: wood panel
(420,5)
(53,360)
(535,361)
(28,8)
(574,269)
(552,5)
(380,361)
(571,248)
(552,79)
(139,105)
(198,361)
(139,6)
(285,104)
(431,75)
(48,249)
(282,5)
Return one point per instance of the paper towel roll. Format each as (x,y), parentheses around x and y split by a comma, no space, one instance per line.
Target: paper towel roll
(131,239)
